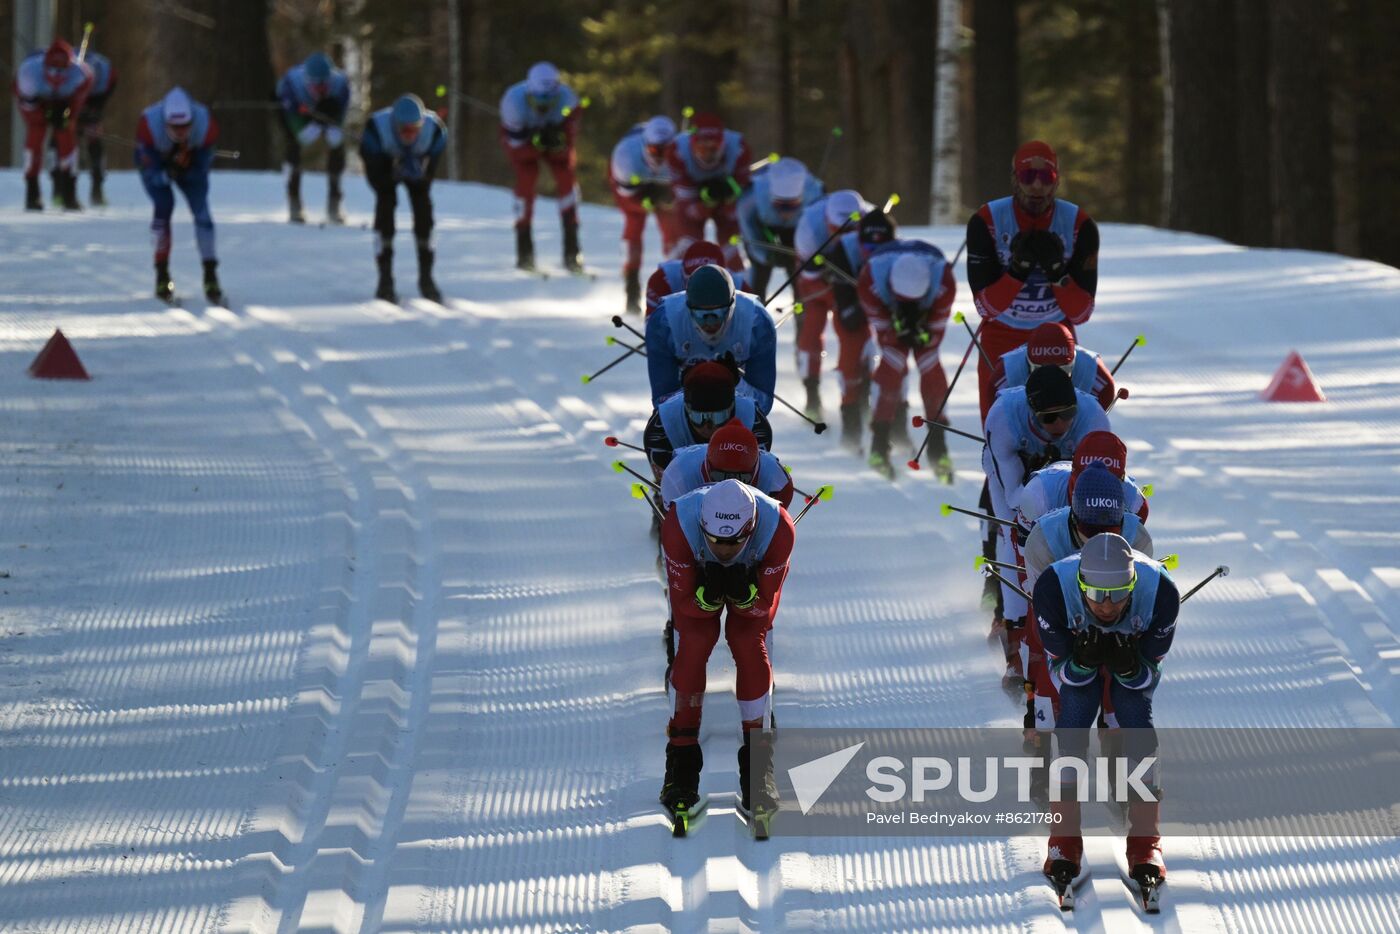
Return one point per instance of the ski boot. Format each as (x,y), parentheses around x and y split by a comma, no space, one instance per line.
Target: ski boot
(334,215)
(1146,866)
(758,792)
(680,789)
(33,199)
(571,261)
(880,449)
(813,408)
(66,191)
(165,286)
(1064,853)
(426,286)
(524,248)
(938,455)
(97,198)
(212,291)
(850,427)
(633,279)
(295,214)
(901,426)
(385,262)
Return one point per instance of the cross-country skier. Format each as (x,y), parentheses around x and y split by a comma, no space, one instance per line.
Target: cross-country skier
(641,185)
(51,88)
(315,97)
(1052,344)
(1031,258)
(727,548)
(672,275)
(709,171)
(539,124)
(104,83)
(710,321)
(402,144)
(1106,617)
(732,453)
(1026,429)
(693,415)
(906,292)
(175,149)
(1052,486)
(768,213)
(1097,508)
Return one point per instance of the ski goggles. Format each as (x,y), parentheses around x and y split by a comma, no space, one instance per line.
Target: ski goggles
(719,476)
(1066,368)
(1109,594)
(1029,176)
(709,319)
(709,418)
(1059,415)
(743,536)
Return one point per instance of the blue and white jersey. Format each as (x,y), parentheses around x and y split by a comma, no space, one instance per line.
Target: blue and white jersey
(687,472)
(1048,489)
(812,231)
(673,271)
(1017,367)
(768,517)
(761,221)
(103,75)
(294,93)
(410,162)
(1051,540)
(630,166)
(727,164)
(1035,304)
(676,423)
(1012,431)
(521,119)
(674,344)
(33,84)
(882,261)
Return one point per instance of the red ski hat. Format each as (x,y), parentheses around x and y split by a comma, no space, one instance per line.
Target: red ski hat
(708,126)
(1050,344)
(1031,151)
(700,253)
(59,55)
(733,450)
(709,387)
(1099,447)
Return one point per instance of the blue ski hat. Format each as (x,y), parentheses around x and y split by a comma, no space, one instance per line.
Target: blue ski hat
(408,111)
(317,67)
(1098,499)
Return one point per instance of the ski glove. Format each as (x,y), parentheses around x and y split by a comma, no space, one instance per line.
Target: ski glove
(1093,648)
(739,586)
(703,602)
(1124,659)
(1022,257)
(1049,252)
(551,139)
(851,316)
(718,190)
(58,117)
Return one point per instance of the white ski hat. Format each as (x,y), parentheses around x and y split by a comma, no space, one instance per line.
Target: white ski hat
(177,107)
(840,205)
(728,510)
(786,179)
(541,79)
(658,131)
(909,277)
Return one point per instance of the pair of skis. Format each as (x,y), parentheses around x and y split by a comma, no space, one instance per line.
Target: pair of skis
(544,275)
(1146,882)
(684,819)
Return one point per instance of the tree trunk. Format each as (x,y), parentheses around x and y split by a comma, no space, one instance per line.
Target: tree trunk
(1377,130)
(1301,141)
(1141,191)
(996,132)
(945,193)
(1255,181)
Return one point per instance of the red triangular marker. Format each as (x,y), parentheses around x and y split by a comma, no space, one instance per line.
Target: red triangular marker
(58,360)
(1293,382)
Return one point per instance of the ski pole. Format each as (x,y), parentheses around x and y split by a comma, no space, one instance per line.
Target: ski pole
(1139,341)
(87,34)
(619,466)
(842,274)
(1221,571)
(818,427)
(776,247)
(920,421)
(978,561)
(635,348)
(961,318)
(948,508)
(810,503)
(614,442)
(958,255)
(619,323)
(443,90)
(590,378)
(836,134)
(766,160)
(823,492)
(1122,393)
(640,492)
(914,464)
(987,571)
(889,203)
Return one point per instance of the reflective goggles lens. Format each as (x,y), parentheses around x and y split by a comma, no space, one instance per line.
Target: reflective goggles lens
(1066,368)
(709,318)
(1109,594)
(1029,176)
(709,418)
(1062,415)
(718,476)
(731,540)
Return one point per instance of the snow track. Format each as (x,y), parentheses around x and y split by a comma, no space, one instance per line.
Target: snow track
(327,614)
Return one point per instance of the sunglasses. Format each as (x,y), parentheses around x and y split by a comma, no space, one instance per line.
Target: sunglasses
(1063,415)
(731,540)
(710,418)
(1110,594)
(1029,176)
(718,476)
(709,317)
(1067,368)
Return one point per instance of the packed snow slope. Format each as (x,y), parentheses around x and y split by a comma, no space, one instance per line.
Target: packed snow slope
(326,614)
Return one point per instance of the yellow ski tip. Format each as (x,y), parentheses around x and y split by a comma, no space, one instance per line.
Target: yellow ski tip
(639,491)
(1148,490)
(610,340)
(687,111)
(618,466)
(958,317)
(978,561)
(837,131)
(825,493)
(442,90)
(1141,340)
(797,308)
(773,157)
(586,379)
(945,510)
(1170,562)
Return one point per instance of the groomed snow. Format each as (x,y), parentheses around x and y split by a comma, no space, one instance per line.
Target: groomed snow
(326,614)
